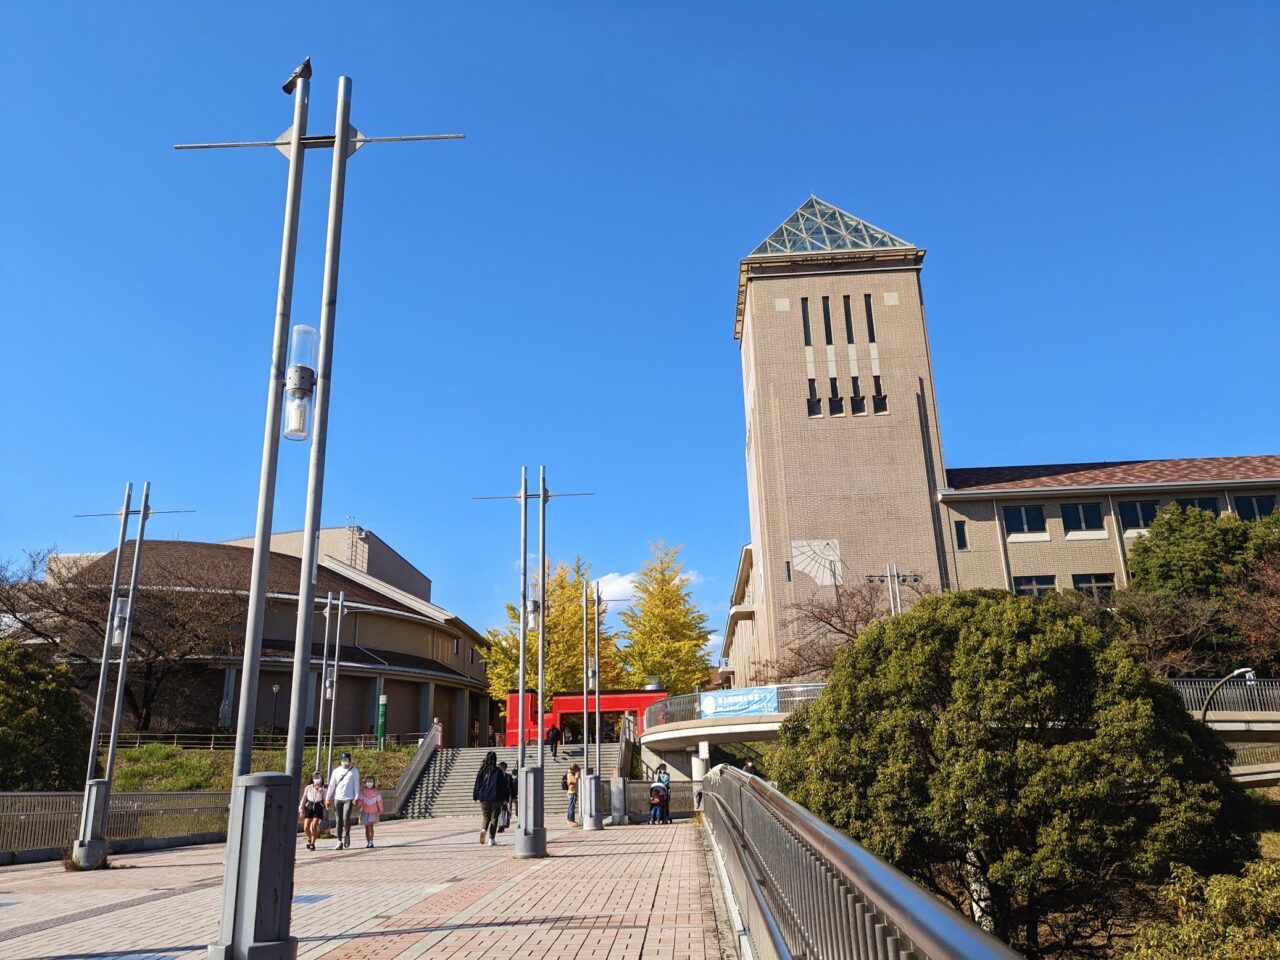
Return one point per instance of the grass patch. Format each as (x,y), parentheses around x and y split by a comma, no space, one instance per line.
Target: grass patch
(159,767)
(1271,845)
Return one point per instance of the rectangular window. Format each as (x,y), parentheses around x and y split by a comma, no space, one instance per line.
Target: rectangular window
(848,321)
(1200,503)
(786,570)
(1096,585)
(835,405)
(814,405)
(1137,514)
(1024,519)
(1254,508)
(826,319)
(879,402)
(962,536)
(804,321)
(859,401)
(471,655)
(871,321)
(1081,516)
(1034,586)
(455,646)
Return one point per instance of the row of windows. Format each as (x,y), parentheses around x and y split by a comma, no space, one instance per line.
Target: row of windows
(857,402)
(1134,514)
(835,401)
(1097,585)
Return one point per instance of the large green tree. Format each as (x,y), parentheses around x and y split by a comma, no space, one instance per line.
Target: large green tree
(1018,762)
(564,639)
(1188,552)
(44,735)
(665,634)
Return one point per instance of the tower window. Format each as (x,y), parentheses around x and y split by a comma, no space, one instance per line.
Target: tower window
(879,402)
(786,570)
(804,321)
(871,322)
(848,321)
(814,405)
(835,404)
(859,401)
(962,536)
(826,319)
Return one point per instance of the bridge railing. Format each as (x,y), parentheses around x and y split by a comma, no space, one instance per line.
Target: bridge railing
(804,889)
(1236,696)
(688,706)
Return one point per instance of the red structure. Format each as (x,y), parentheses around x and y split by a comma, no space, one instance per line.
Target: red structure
(566,712)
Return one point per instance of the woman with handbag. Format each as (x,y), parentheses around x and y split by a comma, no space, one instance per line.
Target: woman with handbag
(311,809)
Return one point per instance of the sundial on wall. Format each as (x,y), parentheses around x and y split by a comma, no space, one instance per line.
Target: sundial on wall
(819,560)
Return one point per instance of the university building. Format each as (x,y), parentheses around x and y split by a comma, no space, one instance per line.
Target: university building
(845,473)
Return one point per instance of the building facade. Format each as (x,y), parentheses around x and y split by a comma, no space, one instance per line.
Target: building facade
(846,480)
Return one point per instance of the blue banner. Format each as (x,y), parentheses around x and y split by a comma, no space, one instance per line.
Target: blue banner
(741,702)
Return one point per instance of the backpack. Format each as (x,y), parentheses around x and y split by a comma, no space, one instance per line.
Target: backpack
(564,782)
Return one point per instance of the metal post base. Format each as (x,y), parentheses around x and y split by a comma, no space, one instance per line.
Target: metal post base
(532,844)
(89,854)
(531,838)
(590,798)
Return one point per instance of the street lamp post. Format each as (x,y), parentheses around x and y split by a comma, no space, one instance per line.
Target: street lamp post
(1249,678)
(592,815)
(275,694)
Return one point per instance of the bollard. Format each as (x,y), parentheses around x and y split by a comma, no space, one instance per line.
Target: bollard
(90,850)
(257,889)
(531,838)
(592,819)
(618,802)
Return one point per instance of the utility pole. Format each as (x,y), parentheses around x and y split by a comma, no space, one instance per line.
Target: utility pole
(261,846)
(592,818)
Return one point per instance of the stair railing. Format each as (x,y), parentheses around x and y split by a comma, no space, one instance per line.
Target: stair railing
(413,772)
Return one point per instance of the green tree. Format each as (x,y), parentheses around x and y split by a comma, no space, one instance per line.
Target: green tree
(1223,916)
(666,635)
(564,640)
(1188,552)
(44,735)
(1012,758)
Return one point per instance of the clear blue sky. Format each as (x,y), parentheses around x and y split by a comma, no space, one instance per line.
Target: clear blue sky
(1095,184)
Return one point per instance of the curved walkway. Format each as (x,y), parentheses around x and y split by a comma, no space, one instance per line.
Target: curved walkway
(429,890)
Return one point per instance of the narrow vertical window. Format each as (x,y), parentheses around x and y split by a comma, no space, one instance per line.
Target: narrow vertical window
(826,319)
(848,320)
(962,536)
(786,570)
(879,402)
(804,320)
(871,322)
(814,405)
(835,404)
(859,401)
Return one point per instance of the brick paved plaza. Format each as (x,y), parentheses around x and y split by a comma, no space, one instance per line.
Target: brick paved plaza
(429,890)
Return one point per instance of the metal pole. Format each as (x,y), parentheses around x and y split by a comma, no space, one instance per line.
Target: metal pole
(586,728)
(324,677)
(122,673)
(333,701)
(523,497)
(315,477)
(542,611)
(597,678)
(271,440)
(106,641)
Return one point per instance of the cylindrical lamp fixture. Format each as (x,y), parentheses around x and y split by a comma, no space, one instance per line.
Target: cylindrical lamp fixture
(300,382)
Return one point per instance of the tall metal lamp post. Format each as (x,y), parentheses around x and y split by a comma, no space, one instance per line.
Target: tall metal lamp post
(592,817)
(1249,678)
(261,845)
(275,695)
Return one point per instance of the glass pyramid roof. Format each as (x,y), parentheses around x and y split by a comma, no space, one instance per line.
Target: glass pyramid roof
(818,227)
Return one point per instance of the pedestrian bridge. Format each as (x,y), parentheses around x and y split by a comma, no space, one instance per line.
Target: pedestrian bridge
(1245,714)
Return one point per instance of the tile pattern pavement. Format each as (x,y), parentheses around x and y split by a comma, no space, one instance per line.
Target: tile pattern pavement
(427,891)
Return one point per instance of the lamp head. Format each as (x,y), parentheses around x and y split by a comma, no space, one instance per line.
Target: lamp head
(301,72)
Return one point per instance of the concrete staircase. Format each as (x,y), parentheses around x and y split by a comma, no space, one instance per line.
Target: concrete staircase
(444,789)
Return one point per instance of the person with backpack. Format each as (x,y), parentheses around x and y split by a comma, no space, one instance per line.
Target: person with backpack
(492,791)
(570,783)
(664,778)
(554,736)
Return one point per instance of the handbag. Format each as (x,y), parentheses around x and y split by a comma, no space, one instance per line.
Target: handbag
(504,818)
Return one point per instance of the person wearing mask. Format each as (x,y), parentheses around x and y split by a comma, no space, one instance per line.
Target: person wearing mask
(664,778)
(492,791)
(573,778)
(553,738)
(344,787)
(370,803)
(311,809)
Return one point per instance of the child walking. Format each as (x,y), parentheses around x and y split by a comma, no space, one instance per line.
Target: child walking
(370,801)
(311,809)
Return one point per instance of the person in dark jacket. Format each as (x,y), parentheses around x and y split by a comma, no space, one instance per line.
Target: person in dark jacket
(493,791)
(553,738)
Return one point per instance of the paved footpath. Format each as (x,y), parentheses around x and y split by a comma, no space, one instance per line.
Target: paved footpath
(428,890)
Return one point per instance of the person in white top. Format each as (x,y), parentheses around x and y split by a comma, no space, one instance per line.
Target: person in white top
(344,787)
(311,808)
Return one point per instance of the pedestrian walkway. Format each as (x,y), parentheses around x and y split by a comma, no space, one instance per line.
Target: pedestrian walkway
(427,891)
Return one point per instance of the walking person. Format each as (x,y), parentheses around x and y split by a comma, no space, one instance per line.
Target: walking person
(311,808)
(554,736)
(369,801)
(504,815)
(664,778)
(344,787)
(573,778)
(492,791)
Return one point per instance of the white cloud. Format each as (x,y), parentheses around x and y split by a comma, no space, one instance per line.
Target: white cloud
(695,577)
(714,643)
(618,587)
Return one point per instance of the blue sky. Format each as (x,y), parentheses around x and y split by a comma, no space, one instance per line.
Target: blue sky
(1095,184)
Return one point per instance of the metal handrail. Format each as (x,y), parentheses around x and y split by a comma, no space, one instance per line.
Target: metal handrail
(262,741)
(413,771)
(1236,696)
(832,897)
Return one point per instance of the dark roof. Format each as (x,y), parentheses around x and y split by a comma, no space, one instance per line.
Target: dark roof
(368,656)
(1118,472)
(219,566)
